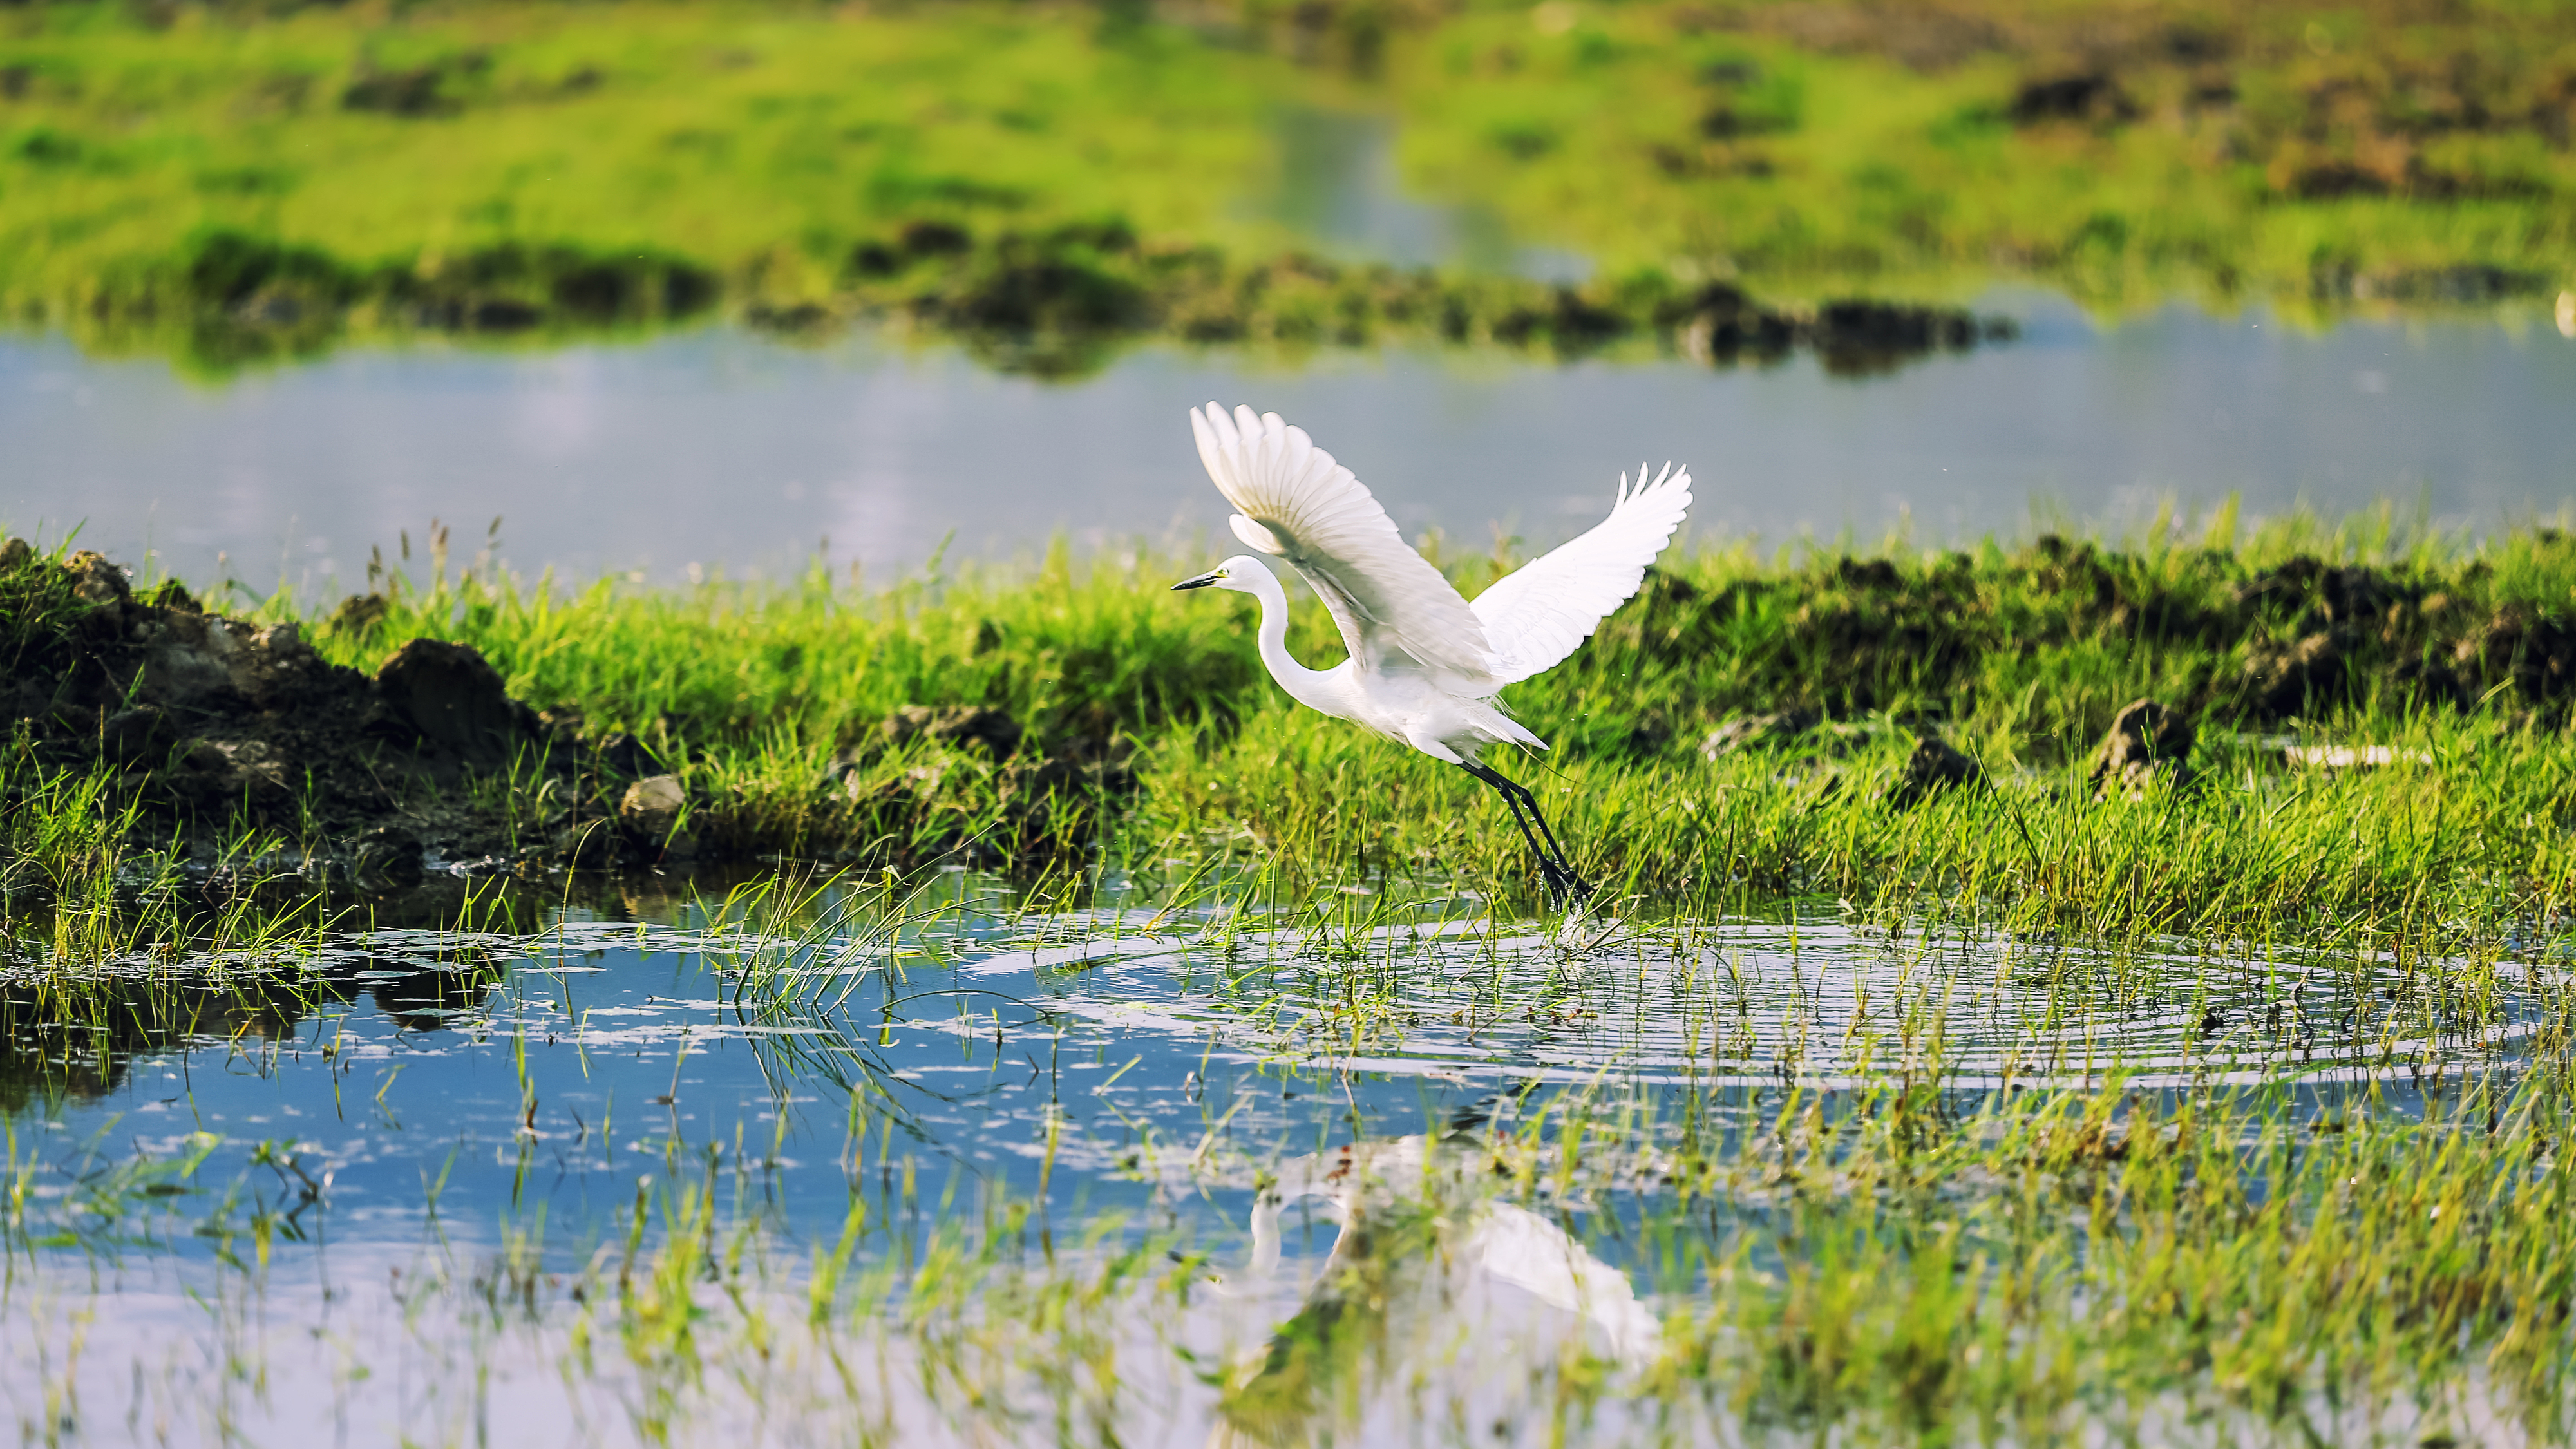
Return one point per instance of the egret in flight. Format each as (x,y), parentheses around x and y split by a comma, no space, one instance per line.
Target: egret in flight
(1424,664)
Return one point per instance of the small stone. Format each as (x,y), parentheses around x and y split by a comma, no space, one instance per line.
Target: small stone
(1758,731)
(97,580)
(652,805)
(15,553)
(1931,769)
(2146,740)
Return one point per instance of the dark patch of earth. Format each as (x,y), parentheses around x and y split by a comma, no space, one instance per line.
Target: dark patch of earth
(425,772)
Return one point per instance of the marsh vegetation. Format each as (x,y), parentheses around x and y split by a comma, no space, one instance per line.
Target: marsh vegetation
(1944,1069)
(2068,988)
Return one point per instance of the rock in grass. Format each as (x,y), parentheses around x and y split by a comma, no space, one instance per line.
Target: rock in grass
(1759,732)
(1931,769)
(2146,740)
(15,553)
(652,806)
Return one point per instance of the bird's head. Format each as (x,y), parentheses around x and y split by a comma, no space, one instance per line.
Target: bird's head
(1236,573)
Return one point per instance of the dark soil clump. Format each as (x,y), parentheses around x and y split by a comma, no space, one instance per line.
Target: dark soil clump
(1923,640)
(220,728)
(2147,741)
(1933,768)
(217,725)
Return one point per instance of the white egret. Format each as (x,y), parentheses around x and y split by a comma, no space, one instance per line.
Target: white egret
(1425,665)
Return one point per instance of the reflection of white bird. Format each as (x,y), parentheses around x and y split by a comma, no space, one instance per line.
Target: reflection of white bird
(1424,664)
(1399,1264)
(1503,1243)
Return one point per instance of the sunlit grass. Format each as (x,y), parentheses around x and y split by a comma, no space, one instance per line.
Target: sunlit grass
(752,692)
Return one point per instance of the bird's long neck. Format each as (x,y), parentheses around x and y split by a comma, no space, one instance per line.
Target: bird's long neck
(1310,687)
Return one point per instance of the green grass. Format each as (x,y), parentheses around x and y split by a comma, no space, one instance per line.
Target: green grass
(240,183)
(767,700)
(2022,656)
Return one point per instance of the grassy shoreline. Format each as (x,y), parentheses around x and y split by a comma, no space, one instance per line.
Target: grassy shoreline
(1747,731)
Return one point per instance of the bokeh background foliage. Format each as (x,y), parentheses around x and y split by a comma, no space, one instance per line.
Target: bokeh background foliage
(276,170)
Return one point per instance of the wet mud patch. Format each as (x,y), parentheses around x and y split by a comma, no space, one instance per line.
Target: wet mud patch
(1056,302)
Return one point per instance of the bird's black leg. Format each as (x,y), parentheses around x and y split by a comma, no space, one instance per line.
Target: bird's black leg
(1576,892)
(1503,787)
(1564,863)
(1553,868)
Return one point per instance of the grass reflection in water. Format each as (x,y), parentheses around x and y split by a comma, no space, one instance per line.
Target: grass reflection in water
(1149,1161)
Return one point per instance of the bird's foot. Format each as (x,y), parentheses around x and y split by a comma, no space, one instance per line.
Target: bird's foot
(1566,890)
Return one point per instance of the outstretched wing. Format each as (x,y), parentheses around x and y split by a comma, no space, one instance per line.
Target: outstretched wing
(1537,614)
(1397,614)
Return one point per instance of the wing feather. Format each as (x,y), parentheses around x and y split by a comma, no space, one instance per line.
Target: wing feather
(1536,615)
(1396,612)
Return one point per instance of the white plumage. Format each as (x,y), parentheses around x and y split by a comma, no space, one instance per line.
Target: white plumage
(1297,504)
(1424,664)
(1426,1269)
(1539,613)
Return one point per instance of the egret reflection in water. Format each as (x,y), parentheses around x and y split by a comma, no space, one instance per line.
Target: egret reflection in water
(1425,1275)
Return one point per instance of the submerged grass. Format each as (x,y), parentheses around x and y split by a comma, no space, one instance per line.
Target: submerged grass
(1893,1261)
(1903,1253)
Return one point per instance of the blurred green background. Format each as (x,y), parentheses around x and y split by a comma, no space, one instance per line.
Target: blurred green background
(239,179)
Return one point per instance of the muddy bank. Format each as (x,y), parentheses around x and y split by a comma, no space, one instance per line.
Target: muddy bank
(220,728)
(1055,302)
(259,758)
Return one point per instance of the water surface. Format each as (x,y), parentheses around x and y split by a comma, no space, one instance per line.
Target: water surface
(724,450)
(387,1184)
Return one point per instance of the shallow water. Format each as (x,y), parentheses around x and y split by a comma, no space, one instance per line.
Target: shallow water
(1154,1044)
(719,449)
(423,1135)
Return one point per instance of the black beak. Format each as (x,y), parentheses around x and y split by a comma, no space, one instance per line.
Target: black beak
(1201,582)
